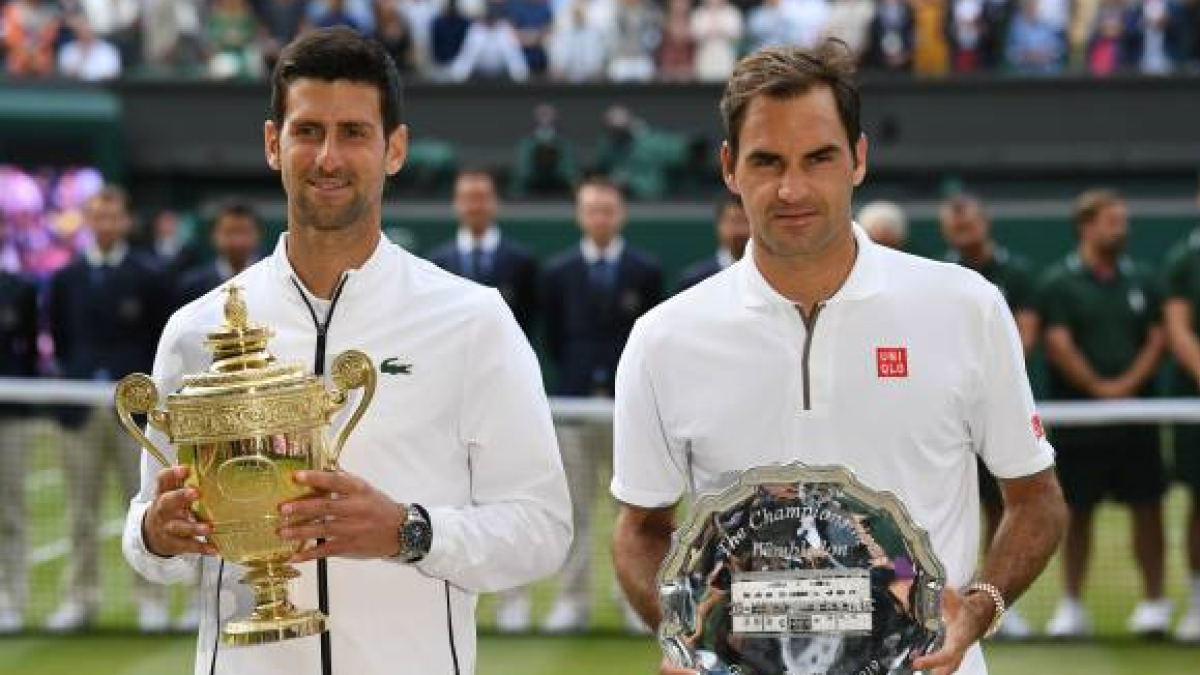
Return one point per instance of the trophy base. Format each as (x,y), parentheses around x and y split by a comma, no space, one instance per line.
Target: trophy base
(247,632)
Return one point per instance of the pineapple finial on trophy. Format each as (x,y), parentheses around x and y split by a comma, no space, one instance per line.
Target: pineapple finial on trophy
(238,344)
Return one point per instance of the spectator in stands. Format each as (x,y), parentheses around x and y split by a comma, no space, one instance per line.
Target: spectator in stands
(885,223)
(420,15)
(281,22)
(88,57)
(578,48)
(236,236)
(1181,314)
(1156,37)
(18,358)
(393,32)
(171,31)
(931,54)
(545,162)
(532,19)
(231,31)
(356,14)
(968,33)
(890,37)
(592,294)
(117,22)
(1103,340)
(1107,51)
(967,230)
(480,252)
(634,40)
(106,310)
(677,53)
(850,21)
(733,233)
(446,36)
(771,24)
(810,18)
(1035,46)
(30,33)
(1084,25)
(717,29)
(491,50)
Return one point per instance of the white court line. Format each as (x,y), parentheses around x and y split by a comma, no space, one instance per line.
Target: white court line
(61,547)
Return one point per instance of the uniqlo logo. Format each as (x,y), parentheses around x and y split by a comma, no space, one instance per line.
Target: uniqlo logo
(1039,431)
(891,361)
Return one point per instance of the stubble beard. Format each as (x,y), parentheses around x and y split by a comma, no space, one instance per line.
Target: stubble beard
(329,219)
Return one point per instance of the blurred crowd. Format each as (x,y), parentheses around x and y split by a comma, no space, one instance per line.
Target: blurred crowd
(600,40)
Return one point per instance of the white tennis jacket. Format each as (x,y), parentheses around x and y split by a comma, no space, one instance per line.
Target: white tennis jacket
(460,424)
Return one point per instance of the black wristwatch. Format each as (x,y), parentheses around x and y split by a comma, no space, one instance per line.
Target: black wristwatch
(415,535)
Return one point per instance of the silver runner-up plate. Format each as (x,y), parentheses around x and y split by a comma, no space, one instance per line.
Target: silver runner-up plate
(800,570)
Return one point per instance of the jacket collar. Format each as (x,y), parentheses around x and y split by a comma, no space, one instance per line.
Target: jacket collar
(866,278)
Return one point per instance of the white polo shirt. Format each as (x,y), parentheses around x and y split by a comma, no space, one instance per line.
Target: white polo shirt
(914,368)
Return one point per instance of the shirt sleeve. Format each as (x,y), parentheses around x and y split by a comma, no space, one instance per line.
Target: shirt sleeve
(1005,428)
(168,375)
(1020,288)
(1175,278)
(646,472)
(517,527)
(1052,306)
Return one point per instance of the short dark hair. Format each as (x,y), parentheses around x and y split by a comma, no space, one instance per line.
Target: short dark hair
(961,201)
(338,53)
(786,72)
(235,208)
(1089,205)
(601,182)
(110,193)
(476,172)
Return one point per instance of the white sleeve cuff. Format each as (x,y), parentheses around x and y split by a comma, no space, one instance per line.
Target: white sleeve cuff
(446,528)
(150,565)
(649,499)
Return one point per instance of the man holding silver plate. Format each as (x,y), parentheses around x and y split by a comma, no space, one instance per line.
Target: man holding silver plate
(450,484)
(828,397)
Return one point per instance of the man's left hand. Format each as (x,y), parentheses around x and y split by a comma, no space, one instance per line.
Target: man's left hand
(354,519)
(967,619)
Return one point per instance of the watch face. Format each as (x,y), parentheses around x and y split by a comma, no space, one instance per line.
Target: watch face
(415,537)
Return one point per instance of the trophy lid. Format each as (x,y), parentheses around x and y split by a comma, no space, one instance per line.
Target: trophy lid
(241,361)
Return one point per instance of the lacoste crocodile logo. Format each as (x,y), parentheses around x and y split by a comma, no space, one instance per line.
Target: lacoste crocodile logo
(393,366)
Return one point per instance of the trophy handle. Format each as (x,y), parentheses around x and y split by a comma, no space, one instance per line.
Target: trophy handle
(352,369)
(136,393)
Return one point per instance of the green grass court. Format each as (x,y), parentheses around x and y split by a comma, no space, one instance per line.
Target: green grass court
(1113,590)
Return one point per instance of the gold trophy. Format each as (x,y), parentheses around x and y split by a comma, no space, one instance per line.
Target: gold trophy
(244,427)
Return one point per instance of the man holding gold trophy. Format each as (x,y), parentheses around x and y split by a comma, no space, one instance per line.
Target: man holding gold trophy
(883,374)
(443,480)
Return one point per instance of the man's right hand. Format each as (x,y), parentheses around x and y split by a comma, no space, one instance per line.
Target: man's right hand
(168,527)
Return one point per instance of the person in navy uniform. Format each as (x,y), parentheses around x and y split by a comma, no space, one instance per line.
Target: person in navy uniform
(733,231)
(481,253)
(18,358)
(236,237)
(592,295)
(106,309)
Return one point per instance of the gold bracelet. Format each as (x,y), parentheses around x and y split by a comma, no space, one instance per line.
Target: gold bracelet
(997,599)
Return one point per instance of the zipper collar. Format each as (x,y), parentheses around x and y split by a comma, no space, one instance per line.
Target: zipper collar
(373,270)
